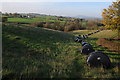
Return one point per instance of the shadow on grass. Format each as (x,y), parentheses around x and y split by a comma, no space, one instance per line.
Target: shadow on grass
(23,59)
(116,64)
(37,34)
(77,69)
(18,23)
(19,61)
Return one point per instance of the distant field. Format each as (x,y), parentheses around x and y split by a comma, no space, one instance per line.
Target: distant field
(33,20)
(28,20)
(30,52)
(41,19)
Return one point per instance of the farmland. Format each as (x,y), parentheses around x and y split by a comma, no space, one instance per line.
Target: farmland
(35,52)
(51,22)
(41,40)
(32,20)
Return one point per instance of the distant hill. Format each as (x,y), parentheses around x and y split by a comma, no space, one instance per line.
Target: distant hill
(78,16)
(86,17)
(36,14)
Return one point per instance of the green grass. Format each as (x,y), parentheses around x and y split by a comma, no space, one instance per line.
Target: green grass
(33,20)
(105,34)
(101,34)
(3,16)
(82,32)
(28,20)
(35,52)
(30,52)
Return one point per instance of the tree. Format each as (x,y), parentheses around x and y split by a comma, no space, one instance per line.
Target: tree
(111,16)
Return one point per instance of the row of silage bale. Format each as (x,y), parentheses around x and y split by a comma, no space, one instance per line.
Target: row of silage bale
(94,58)
(86,35)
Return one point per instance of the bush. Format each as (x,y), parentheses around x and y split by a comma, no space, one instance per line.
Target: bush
(61,28)
(69,27)
(3,19)
(39,24)
(47,25)
(92,25)
(72,26)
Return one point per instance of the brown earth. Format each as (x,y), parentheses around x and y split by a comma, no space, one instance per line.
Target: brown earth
(109,43)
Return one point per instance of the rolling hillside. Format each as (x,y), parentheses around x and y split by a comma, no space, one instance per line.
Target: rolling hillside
(36,52)
(32,52)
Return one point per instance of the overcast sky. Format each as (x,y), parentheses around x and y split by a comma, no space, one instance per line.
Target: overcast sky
(57,7)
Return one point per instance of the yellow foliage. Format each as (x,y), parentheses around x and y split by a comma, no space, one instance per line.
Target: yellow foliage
(111,16)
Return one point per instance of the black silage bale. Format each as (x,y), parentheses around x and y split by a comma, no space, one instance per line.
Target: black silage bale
(86,36)
(86,49)
(98,59)
(89,34)
(83,43)
(95,32)
(83,36)
(78,39)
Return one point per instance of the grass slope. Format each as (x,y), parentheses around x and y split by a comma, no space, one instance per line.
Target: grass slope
(30,52)
(105,34)
(36,52)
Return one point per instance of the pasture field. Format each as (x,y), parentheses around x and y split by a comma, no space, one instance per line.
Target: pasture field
(29,20)
(34,52)
(36,19)
(105,34)
(41,19)
(82,32)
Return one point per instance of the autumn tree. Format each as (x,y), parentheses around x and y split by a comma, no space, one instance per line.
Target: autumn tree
(111,16)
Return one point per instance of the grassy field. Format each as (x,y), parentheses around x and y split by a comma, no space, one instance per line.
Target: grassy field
(101,34)
(40,19)
(30,52)
(105,34)
(82,32)
(29,20)
(37,19)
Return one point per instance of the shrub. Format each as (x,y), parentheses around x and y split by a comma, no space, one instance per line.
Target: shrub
(69,27)
(92,25)
(47,25)
(61,28)
(39,24)
(72,26)
(3,19)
